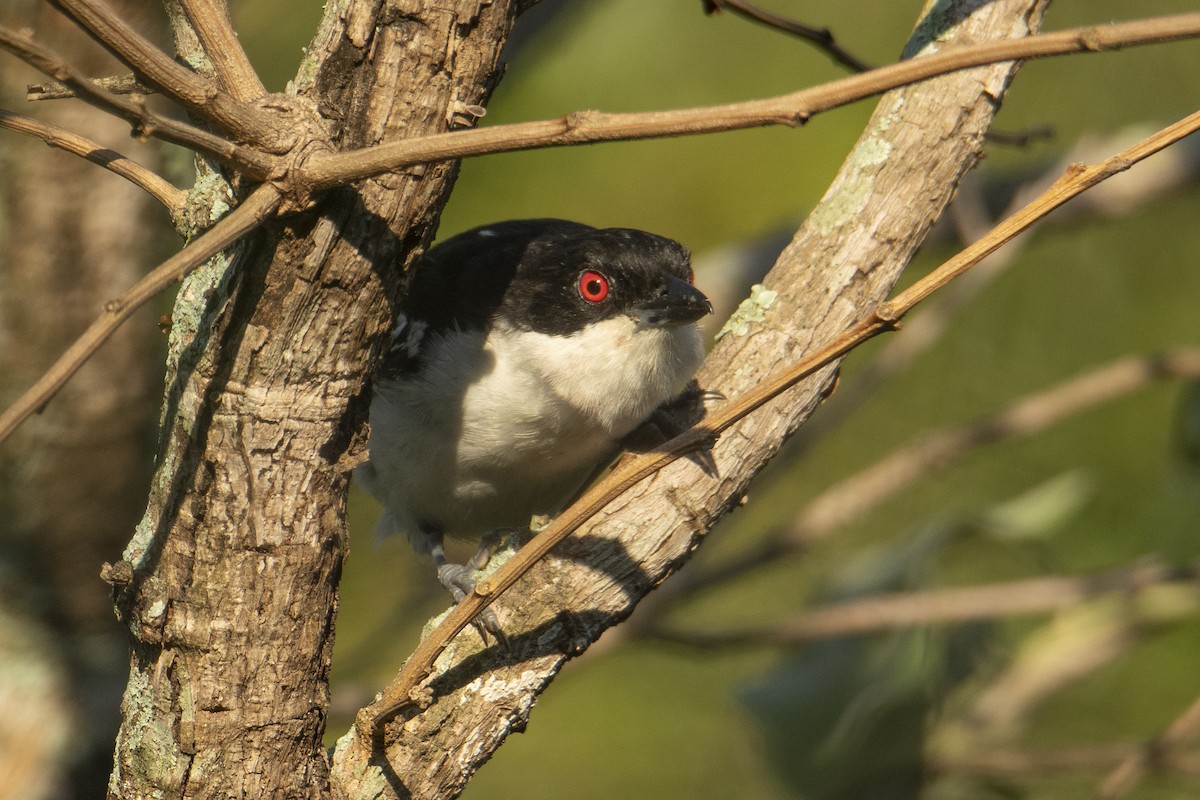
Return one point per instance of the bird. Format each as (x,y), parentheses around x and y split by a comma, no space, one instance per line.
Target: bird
(523,354)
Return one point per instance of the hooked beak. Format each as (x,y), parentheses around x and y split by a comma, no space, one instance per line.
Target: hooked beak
(678,303)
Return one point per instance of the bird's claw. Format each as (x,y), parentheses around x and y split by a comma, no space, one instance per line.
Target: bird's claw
(459,580)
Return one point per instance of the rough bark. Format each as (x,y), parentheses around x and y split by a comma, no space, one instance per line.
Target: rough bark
(73,480)
(843,261)
(230,583)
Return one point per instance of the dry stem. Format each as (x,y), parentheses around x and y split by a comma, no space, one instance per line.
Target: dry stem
(210,19)
(821,37)
(196,92)
(253,163)
(326,169)
(1128,774)
(254,210)
(117,84)
(157,187)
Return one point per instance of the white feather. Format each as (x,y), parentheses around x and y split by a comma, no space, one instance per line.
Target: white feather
(492,431)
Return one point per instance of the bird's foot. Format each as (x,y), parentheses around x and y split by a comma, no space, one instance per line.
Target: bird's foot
(460,580)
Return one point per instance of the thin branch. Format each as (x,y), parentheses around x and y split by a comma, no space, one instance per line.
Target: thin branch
(254,210)
(197,93)
(326,169)
(824,40)
(939,607)
(1021,138)
(866,489)
(145,123)
(210,19)
(1022,764)
(117,84)
(403,690)
(143,177)
(1075,181)
(1129,773)
(821,37)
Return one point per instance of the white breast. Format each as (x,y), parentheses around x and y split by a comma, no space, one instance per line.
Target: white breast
(494,431)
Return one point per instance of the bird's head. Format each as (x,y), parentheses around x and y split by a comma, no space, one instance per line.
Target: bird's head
(576,276)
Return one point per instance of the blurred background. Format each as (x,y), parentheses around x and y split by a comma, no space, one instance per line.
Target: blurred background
(928,595)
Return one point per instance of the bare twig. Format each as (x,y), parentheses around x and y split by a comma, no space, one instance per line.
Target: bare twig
(1129,773)
(196,92)
(210,19)
(157,187)
(824,40)
(326,169)
(938,607)
(1022,764)
(145,123)
(859,493)
(402,691)
(821,37)
(117,84)
(1021,138)
(258,207)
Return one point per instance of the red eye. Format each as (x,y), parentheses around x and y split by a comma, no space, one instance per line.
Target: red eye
(593,286)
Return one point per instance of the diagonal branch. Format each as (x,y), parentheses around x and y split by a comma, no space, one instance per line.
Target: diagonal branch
(197,93)
(326,169)
(146,179)
(1129,773)
(402,691)
(821,37)
(254,210)
(210,19)
(145,123)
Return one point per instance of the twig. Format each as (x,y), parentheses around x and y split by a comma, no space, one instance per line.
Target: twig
(210,19)
(1129,773)
(937,607)
(145,123)
(327,169)
(858,493)
(197,93)
(156,186)
(117,84)
(258,207)
(403,690)
(821,37)
(1022,764)
(1021,138)
(824,40)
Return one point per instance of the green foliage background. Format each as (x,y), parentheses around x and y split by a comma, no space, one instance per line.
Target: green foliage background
(849,718)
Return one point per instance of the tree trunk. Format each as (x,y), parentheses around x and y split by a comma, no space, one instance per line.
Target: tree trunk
(230,587)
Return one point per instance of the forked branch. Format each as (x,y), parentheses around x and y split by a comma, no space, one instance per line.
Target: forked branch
(195,92)
(251,162)
(210,20)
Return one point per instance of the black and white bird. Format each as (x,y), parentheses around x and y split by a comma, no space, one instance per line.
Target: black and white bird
(524,352)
